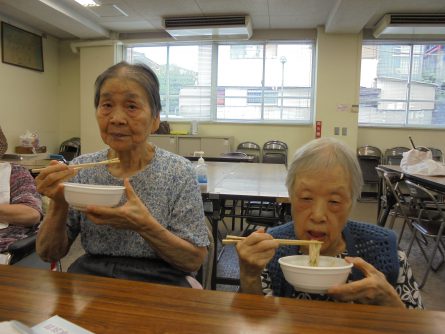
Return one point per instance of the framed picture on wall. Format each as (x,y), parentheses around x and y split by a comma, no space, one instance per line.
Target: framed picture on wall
(21,48)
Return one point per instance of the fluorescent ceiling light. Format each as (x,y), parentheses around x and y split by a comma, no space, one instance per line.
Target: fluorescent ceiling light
(87,3)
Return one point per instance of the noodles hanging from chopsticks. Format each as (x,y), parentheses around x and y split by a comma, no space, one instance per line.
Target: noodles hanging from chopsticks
(314,254)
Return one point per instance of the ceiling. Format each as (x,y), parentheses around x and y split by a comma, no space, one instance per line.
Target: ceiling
(66,19)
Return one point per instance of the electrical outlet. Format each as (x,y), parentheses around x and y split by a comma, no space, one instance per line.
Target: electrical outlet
(336,131)
(344,131)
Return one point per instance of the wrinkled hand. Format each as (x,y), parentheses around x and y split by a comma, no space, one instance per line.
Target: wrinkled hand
(255,252)
(373,289)
(49,181)
(133,215)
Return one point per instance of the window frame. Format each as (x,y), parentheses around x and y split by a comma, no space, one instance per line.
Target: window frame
(412,44)
(213,86)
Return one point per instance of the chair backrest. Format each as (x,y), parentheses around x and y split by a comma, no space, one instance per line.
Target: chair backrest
(248,145)
(275,145)
(394,187)
(251,148)
(274,151)
(70,148)
(436,153)
(369,157)
(274,158)
(421,195)
(368,169)
(394,155)
(369,151)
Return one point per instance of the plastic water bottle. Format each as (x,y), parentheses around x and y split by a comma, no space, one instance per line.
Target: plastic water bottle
(201,173)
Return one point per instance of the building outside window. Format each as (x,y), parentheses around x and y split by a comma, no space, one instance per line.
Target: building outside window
(253,82)
(402,85)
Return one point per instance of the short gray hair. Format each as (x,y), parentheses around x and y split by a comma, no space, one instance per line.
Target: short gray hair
(141,74)
(326,153)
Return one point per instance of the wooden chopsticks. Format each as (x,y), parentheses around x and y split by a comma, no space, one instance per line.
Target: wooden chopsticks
(86,165)
(233,239)
(314,246)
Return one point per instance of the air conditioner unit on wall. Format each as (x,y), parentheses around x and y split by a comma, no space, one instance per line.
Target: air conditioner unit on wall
(228,27)
(411,26)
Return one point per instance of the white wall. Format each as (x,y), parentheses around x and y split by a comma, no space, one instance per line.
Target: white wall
(29,99)
(337,84)
(69,92)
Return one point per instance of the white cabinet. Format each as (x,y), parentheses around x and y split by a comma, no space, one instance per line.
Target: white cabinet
(166,142)
(185,145)
(214,147)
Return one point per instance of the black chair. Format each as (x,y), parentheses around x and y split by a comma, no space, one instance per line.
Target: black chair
(251,149)
(275,152)
(369,157)
(20,249)
(264,213)
(70,148)
(395,202)
(274,158)
(429,224)
(436,153)
(394,155)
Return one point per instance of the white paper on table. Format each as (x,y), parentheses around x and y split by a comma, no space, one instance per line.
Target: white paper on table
(6,327)
(59,325)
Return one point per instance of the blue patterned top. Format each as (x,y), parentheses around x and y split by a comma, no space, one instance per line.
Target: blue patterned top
(168,188)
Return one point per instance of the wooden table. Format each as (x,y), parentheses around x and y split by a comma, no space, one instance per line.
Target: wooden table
(105,305)
(241,181)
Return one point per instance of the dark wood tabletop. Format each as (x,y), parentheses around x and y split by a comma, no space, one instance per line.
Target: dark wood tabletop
(105,305)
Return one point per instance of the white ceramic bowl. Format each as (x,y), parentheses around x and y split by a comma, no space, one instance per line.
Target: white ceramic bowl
(330,271)
(80,195)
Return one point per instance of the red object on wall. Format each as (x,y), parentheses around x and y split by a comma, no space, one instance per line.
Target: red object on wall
(317,129)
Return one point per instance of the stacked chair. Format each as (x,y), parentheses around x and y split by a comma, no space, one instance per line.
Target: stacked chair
(250,148)
(394,155)
(275,152)
(369,157)
(428,227)
(394,201)
(263,213)
(436,153)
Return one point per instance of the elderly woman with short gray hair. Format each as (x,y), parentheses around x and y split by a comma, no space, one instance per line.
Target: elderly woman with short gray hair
(324,181)
(157,233)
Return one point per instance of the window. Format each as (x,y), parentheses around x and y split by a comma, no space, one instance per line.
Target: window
(403,85)
(255,82)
